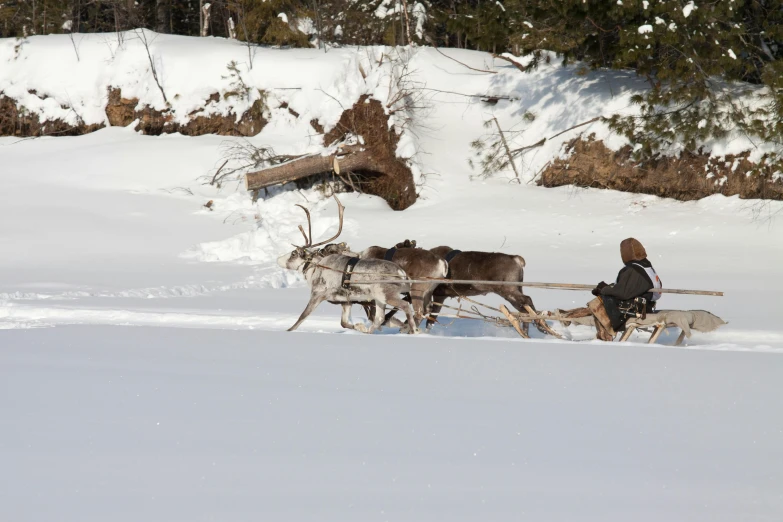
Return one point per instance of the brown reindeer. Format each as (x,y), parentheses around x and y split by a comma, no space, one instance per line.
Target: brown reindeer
(418,264)
(482,266)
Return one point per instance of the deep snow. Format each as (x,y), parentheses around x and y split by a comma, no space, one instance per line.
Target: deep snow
(115,423)
(469,422)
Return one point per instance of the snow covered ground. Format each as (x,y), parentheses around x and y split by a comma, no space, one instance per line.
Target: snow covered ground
(117,423)
(168,390)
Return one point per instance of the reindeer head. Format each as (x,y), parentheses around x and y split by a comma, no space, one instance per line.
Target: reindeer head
(302,256)
(296,259)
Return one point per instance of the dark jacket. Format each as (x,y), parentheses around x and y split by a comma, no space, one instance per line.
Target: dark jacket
(632,282)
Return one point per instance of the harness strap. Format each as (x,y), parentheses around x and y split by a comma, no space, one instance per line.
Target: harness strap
(349,271)
(390,254)
(451,255)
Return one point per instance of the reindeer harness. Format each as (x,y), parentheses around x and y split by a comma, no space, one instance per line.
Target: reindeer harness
(451,255)
(349,271)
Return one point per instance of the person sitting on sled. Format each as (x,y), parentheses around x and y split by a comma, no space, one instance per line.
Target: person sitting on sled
(630,295)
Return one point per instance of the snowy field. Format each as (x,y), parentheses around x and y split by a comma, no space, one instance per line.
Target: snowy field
(136,423)
(145,373)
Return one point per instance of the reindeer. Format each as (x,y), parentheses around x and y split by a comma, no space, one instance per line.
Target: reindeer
(418,264)
(483,266)
(331,276)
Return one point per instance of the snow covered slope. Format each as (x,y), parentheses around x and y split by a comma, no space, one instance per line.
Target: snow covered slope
(208,422)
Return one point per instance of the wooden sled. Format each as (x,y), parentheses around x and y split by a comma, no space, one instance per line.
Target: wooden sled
(686,320)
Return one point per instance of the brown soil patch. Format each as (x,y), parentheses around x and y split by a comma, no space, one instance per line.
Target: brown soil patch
(121,112)
(592,164)
(394,180)
(17,121)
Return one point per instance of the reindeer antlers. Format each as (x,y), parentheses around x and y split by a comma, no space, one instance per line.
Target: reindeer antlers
(309,239)
(340,209)
(309,227)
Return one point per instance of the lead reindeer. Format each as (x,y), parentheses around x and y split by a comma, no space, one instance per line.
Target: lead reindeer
(332,276)
(483,266)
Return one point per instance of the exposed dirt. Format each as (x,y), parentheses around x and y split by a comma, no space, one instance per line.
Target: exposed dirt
(394,180)
(367,161)
(120,112)
(689,177)
(123,111)
(17,121)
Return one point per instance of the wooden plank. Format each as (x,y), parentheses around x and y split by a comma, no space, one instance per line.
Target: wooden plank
(629,330)
(659,328)
(514,321)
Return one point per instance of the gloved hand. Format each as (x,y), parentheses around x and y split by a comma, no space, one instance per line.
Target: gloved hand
(597,290)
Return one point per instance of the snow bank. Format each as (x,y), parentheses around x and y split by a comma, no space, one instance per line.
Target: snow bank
(189,70)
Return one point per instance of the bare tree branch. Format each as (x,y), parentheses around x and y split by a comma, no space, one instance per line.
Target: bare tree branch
(141,33)
(463,64)
(505,146)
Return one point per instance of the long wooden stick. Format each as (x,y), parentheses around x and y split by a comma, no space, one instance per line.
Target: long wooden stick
(514,322)
(556,286)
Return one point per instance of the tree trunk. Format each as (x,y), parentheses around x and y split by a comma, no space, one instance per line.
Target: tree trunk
(384,177)
(308,166)
(205,8)
(161,16)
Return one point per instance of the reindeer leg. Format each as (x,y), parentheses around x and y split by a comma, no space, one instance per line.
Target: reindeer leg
(378,318)
(437,303)
(391,321)
(345,319)
(518,300)
(419,301)
(426,302)
(524,304)
(315,300)
(408,309)
(369,309)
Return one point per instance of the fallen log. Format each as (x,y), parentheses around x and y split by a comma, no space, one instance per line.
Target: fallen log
(310,165)
(372,167)
(382,176)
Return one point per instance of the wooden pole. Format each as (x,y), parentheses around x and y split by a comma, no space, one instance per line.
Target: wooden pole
(555,286)
(514,321)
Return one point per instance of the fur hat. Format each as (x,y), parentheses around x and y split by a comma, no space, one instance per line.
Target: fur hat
(632,250)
